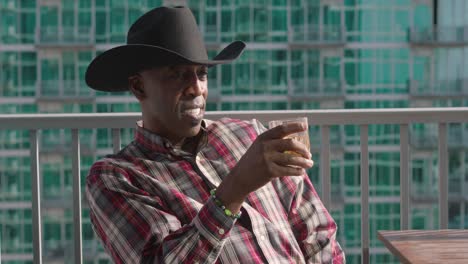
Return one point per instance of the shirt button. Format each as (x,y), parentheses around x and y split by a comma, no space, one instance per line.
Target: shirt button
(166,144)
(221,231)
(262,237)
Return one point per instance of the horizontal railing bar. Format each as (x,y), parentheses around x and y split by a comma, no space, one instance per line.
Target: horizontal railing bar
(373,148)
(15,205)
(316,117)
(374,199)
(5,153)
(358,117)
(17,256)
(372,250)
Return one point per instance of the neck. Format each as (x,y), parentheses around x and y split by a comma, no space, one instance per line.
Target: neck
(151,125)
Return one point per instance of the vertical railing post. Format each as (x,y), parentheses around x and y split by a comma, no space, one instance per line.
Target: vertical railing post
(404,178)
(443,176)
(116,141)
(365,193)
(325,166)
(36,197)
(77,235)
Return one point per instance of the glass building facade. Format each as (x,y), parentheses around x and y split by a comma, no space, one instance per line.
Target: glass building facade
(301,54)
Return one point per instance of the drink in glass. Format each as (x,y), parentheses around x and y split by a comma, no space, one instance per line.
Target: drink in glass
(302,137)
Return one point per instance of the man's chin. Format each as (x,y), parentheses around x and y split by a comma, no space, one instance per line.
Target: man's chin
(189,126)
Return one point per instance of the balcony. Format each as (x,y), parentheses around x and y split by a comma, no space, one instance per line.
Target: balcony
(53,36)
(440,36)
(436,89)
(301,89)
(457,137)
(325,119)
(211,35)
(55,141)
(426,193)
(306,36)
(63,90)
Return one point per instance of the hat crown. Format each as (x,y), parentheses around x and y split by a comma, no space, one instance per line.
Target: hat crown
(171,28)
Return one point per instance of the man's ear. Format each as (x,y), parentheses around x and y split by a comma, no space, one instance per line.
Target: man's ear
(136,86)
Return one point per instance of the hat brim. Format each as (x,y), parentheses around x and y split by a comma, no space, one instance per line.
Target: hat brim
(110,70)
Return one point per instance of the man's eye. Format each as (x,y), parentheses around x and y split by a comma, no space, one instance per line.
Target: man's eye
(203,73)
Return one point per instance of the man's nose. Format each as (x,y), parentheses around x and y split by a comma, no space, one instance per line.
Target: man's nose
(195,87)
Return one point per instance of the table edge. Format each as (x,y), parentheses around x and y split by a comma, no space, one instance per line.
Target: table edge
(391,248)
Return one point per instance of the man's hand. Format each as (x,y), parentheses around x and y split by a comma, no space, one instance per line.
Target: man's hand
(264,161)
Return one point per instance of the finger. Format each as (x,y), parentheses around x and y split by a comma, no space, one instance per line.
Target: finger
(281,171)
(289,144)
(284,159)
(283,130)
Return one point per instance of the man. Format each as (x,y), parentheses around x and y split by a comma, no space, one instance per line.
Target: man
(189,190)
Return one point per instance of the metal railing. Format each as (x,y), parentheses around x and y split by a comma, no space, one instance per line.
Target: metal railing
(304,88)
(63,88)
(324,118)
(439,88)
(439,35)
(69,35)
(325,34)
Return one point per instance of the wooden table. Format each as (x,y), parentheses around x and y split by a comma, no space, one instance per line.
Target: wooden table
(427,246)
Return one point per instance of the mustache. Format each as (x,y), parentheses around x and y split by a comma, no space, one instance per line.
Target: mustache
(197,102)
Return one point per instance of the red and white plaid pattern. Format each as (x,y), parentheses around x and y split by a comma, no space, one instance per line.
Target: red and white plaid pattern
(150,203)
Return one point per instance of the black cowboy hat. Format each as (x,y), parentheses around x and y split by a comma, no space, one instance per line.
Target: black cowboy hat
(163,36)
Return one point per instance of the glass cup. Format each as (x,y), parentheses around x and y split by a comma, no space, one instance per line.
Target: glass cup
(302,137)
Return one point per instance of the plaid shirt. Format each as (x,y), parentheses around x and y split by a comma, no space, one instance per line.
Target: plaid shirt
(151,203)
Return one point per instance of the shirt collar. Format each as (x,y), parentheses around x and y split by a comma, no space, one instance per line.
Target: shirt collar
(156,143)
